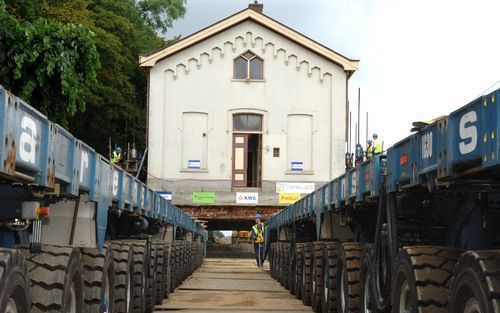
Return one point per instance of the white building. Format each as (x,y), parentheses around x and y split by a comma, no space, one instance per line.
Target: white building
(241,105)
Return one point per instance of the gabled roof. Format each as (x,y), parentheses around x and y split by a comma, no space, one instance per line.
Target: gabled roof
(150,60)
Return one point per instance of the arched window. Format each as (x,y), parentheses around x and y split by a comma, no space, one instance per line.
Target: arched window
(249,66)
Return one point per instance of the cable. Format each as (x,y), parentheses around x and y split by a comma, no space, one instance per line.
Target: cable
(482,93)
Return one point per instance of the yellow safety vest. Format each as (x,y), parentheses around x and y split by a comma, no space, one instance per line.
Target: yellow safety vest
(116,157)
(258,233)
(378,146)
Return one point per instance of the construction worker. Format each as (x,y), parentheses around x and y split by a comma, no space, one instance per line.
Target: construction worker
(258,240)
(360,154)
(369,149)
(378,145)
(117,155)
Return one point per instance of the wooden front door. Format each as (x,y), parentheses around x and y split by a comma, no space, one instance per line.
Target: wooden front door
(240,160)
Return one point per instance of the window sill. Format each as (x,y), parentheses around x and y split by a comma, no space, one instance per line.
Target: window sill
(248,80)
(192,170)
(299,172)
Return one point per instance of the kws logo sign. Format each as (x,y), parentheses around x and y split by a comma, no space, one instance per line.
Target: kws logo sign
(247,197)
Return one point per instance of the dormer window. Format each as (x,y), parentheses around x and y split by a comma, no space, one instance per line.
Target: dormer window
(249,66)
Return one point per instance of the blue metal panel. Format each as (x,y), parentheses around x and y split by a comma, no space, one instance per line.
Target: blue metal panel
(25,140)
(36,151)
(63,146)
(352,184)
(402,164)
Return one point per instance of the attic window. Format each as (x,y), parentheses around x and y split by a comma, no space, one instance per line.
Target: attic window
(249,66)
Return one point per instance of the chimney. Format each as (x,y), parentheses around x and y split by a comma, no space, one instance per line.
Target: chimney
(256,6)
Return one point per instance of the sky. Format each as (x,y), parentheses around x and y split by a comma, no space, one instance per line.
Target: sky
(418,59)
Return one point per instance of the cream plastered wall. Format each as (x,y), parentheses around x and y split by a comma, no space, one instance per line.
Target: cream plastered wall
(200,79)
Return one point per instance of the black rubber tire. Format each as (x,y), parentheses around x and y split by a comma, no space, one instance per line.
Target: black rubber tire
(14,282)
(160,270)
(98,276)
(307,273)
(317,278)
(329,298)
(173,267)
(140,283)
(53,272)
(168,271)
(424,274)
(286,264)
(123,258)
(291,270)
(298,269)
(348,270)
(476,278)
(366,295)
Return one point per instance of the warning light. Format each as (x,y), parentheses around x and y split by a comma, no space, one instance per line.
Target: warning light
(43,211)
(403,159)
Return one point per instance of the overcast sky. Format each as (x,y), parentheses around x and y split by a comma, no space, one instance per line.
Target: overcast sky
(419,59)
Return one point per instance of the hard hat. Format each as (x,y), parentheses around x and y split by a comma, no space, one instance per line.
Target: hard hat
(118,149)
(258,215)
(369,141)
(375,135)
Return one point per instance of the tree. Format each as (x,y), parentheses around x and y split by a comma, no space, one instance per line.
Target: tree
(49,64)
(116,105)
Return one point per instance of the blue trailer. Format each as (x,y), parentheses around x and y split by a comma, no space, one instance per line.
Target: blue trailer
(415,229)
(78,233)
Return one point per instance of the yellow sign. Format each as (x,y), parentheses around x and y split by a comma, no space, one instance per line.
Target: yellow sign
(289,198)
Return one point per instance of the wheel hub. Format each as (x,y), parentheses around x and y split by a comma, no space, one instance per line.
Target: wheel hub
(11,306)
(367,301)
(71,308)
(404,298)
(472,306)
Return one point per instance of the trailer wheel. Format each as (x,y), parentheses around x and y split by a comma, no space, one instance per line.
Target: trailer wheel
(317,278)
(307,273)
(291,270)
(349,265)
(298,270)
(124,269)
(421,279)
(329,297)
(15,295)
(98,280)
(475,286)
(167,269)
(56,280)
(173,267)
(160,270)
(285,264)
(140,276)
(272,260)
(366,295)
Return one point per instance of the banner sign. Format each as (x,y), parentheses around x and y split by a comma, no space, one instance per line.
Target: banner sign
(282,187)
(289,198)
(203,197)
(297,166)
(247,197)
(167,195)
(194,164)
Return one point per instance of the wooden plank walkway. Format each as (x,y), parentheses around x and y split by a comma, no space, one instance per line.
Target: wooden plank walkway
(231,285)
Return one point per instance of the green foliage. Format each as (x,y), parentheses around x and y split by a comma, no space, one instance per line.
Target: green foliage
(160,14)
(123,29)
(49,64)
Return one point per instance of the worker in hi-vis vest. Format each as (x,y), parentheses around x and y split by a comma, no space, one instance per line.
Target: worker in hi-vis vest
(117,155)
(378,145)
(258,240)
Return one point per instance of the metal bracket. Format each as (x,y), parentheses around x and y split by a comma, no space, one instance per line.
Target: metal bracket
(36,237)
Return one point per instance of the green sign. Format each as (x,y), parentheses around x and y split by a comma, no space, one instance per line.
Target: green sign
(203,197)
